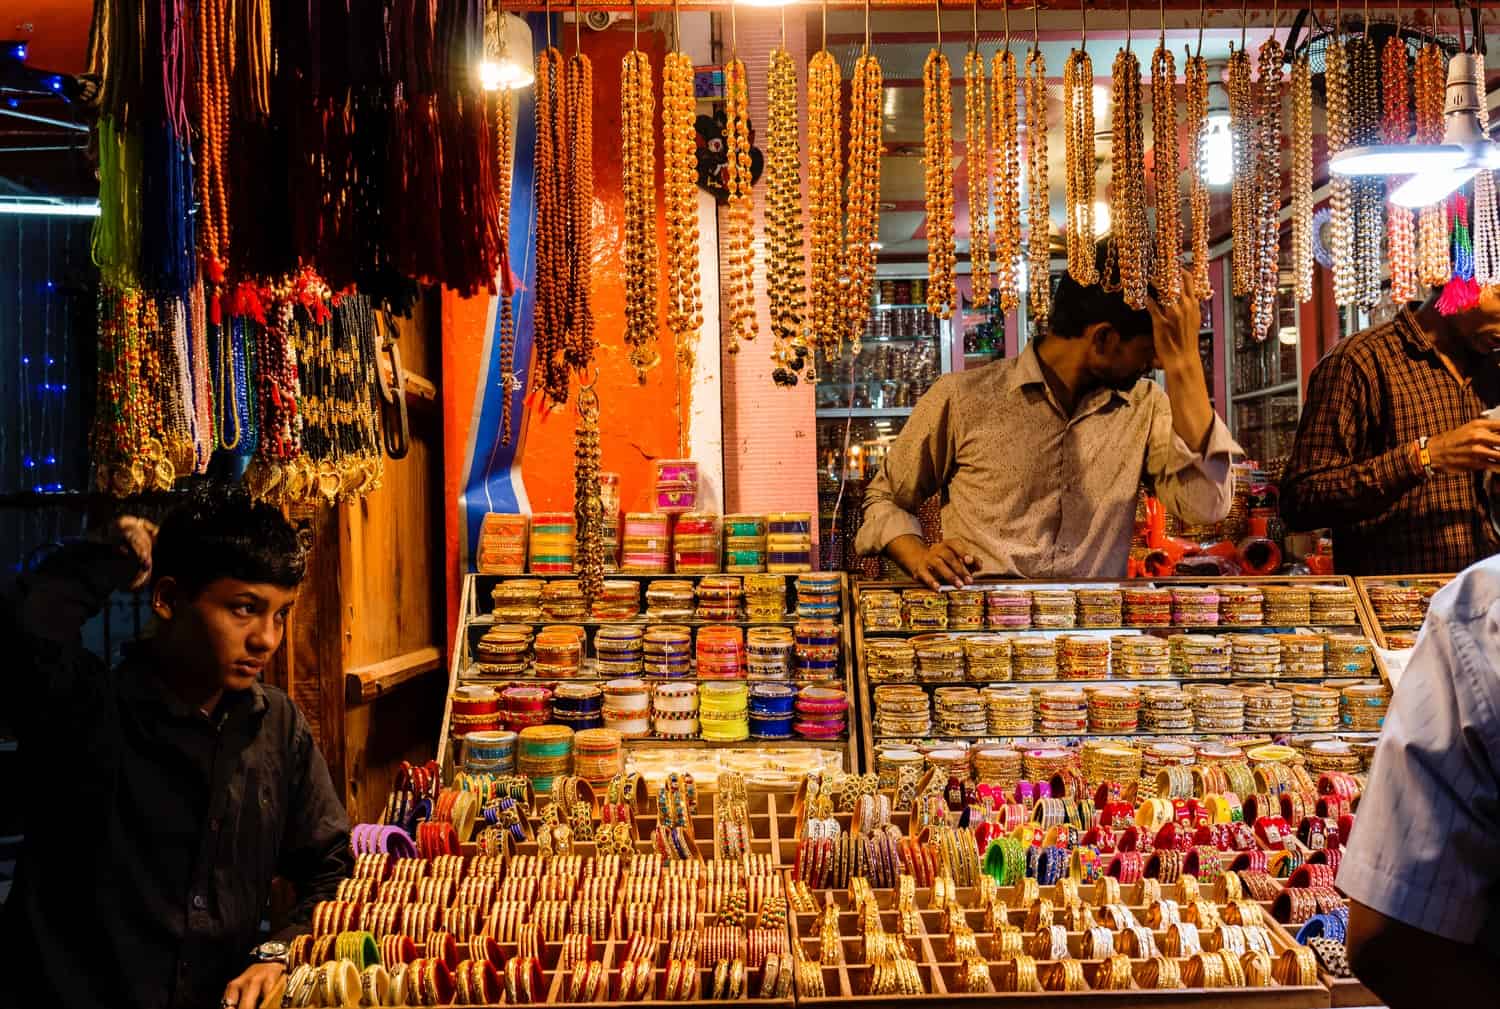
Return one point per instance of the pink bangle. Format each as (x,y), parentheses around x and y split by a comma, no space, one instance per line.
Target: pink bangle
(818,730)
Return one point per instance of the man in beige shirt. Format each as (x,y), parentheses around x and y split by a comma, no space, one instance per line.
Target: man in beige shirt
(1038,458)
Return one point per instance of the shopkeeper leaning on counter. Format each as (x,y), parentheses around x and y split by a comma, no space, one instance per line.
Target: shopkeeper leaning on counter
(1039,458)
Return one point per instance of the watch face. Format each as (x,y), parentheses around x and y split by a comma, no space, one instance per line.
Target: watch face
(271,950)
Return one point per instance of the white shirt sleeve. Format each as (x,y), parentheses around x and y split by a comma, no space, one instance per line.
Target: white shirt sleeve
(1426,843)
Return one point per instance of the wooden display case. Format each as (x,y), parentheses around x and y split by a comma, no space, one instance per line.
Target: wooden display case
(864,688)
(1378,629)
(475,619)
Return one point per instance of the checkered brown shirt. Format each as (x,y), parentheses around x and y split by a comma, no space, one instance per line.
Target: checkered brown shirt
(1353,469)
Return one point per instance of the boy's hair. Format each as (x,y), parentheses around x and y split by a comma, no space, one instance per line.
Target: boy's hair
(1076,307)
(221,532)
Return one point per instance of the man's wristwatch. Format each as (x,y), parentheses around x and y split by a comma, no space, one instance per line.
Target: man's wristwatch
(1424,456)
(269,952)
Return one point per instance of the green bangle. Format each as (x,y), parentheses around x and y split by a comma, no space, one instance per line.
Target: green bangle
(994,861)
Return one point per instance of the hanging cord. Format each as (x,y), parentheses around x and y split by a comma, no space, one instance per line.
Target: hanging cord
(937,10)
(1161,17)
(1005,5)
(974,21)
(577,27)
(1036,28)
(1202,18)
(1244,21)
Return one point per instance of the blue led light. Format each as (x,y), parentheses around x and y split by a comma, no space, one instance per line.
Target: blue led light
(52,460)
(18,51)
(30,463)
(51,362)
(25,360)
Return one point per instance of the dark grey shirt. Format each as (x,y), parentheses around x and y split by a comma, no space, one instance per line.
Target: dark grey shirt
(152,830)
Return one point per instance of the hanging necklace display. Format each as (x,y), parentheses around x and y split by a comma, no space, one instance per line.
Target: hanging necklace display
(1341,207)
(638,184)
(1078,138)
(1400,233)
(1195,80)
(785,255)
(553,205)
(679,110)
(1242,112)
(580,194)
(1434,265)
(977,159)
(1266,247)
(1486,231)
(825,205)
(862,217)
(1038,211)
(1369,192)
(1129,243)
(211,70)
(937,155)
(1302,179)
(505,152)
(588,504)
(1006,162)
(1166,169)
(739,267)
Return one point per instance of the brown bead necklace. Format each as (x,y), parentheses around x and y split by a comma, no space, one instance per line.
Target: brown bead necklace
(862,218)
(638,182)
(937,155)
(1078,136)
(785,255)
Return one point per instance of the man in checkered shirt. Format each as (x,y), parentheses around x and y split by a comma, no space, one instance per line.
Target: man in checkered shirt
(1391,445)
(1422,867)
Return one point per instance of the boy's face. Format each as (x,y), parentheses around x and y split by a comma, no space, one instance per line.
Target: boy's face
(1117,361)
(232,627)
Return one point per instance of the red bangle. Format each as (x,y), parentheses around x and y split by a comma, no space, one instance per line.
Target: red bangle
(1271,832)
(1125,866)
(1253,860)
(1312,875)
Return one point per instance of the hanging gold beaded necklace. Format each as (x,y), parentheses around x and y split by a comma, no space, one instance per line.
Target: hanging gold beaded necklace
(1166,274)
(1400,234)
(824,203)
(785,280)
(1078,137)
(679,110)
(1129,245)
(937,155)
(1195,79)
(1006,163)
(1038,209)
(1302,179)
(1340,202)
(1434,263)
(978,159)
(638,182)
(862,219)
(739,268)
(1266,246)
(1242,112)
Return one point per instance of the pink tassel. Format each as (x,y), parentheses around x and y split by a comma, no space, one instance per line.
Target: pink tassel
(1459,294)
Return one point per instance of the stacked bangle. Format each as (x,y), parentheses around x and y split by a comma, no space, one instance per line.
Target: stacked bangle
(627,707)
(696,543)
(720,598)
(553,543)
(474,708)
(769,653)
(674,709)
(619,650)
(676,485)
(771,710)
(598,755)
(744,543)
(723,711)
(668,651)
(578,706)
(644,545)
(721,653)
(619,600)
(821,712)
(544,753)
(526,706)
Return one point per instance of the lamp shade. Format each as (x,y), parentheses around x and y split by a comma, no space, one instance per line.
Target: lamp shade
(508,59)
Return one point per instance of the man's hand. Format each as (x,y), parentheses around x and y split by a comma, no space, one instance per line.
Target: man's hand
(1474,446)
(254,987)
(132,539)
(1175,325)
(950,562)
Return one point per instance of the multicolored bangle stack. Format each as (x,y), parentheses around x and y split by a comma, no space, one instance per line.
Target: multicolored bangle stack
(598,755)
(768,653)
(502,544)
(674,710)
(619,650)
(822,712)
(669,599)
(558,652)
(765,597)
(696,543)
(676,485)
(474,708)
(646,545)
(627,707)
(744,543)
(526,706)
(819,596)
(724,711)
(771,710)
(789,542)
(621,600)
(721,653)
(578,706)
(668,651)
(720,598)
(517,600)
(817,649)
(553,543)
(489,752)
(543,753)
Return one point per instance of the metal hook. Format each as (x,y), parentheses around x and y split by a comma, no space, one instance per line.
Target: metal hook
(1202,17)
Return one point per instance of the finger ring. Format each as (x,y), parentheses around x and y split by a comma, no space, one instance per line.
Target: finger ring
(225,1003)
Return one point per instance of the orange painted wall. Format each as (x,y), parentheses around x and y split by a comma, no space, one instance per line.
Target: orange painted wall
(638,424)
(56,32)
